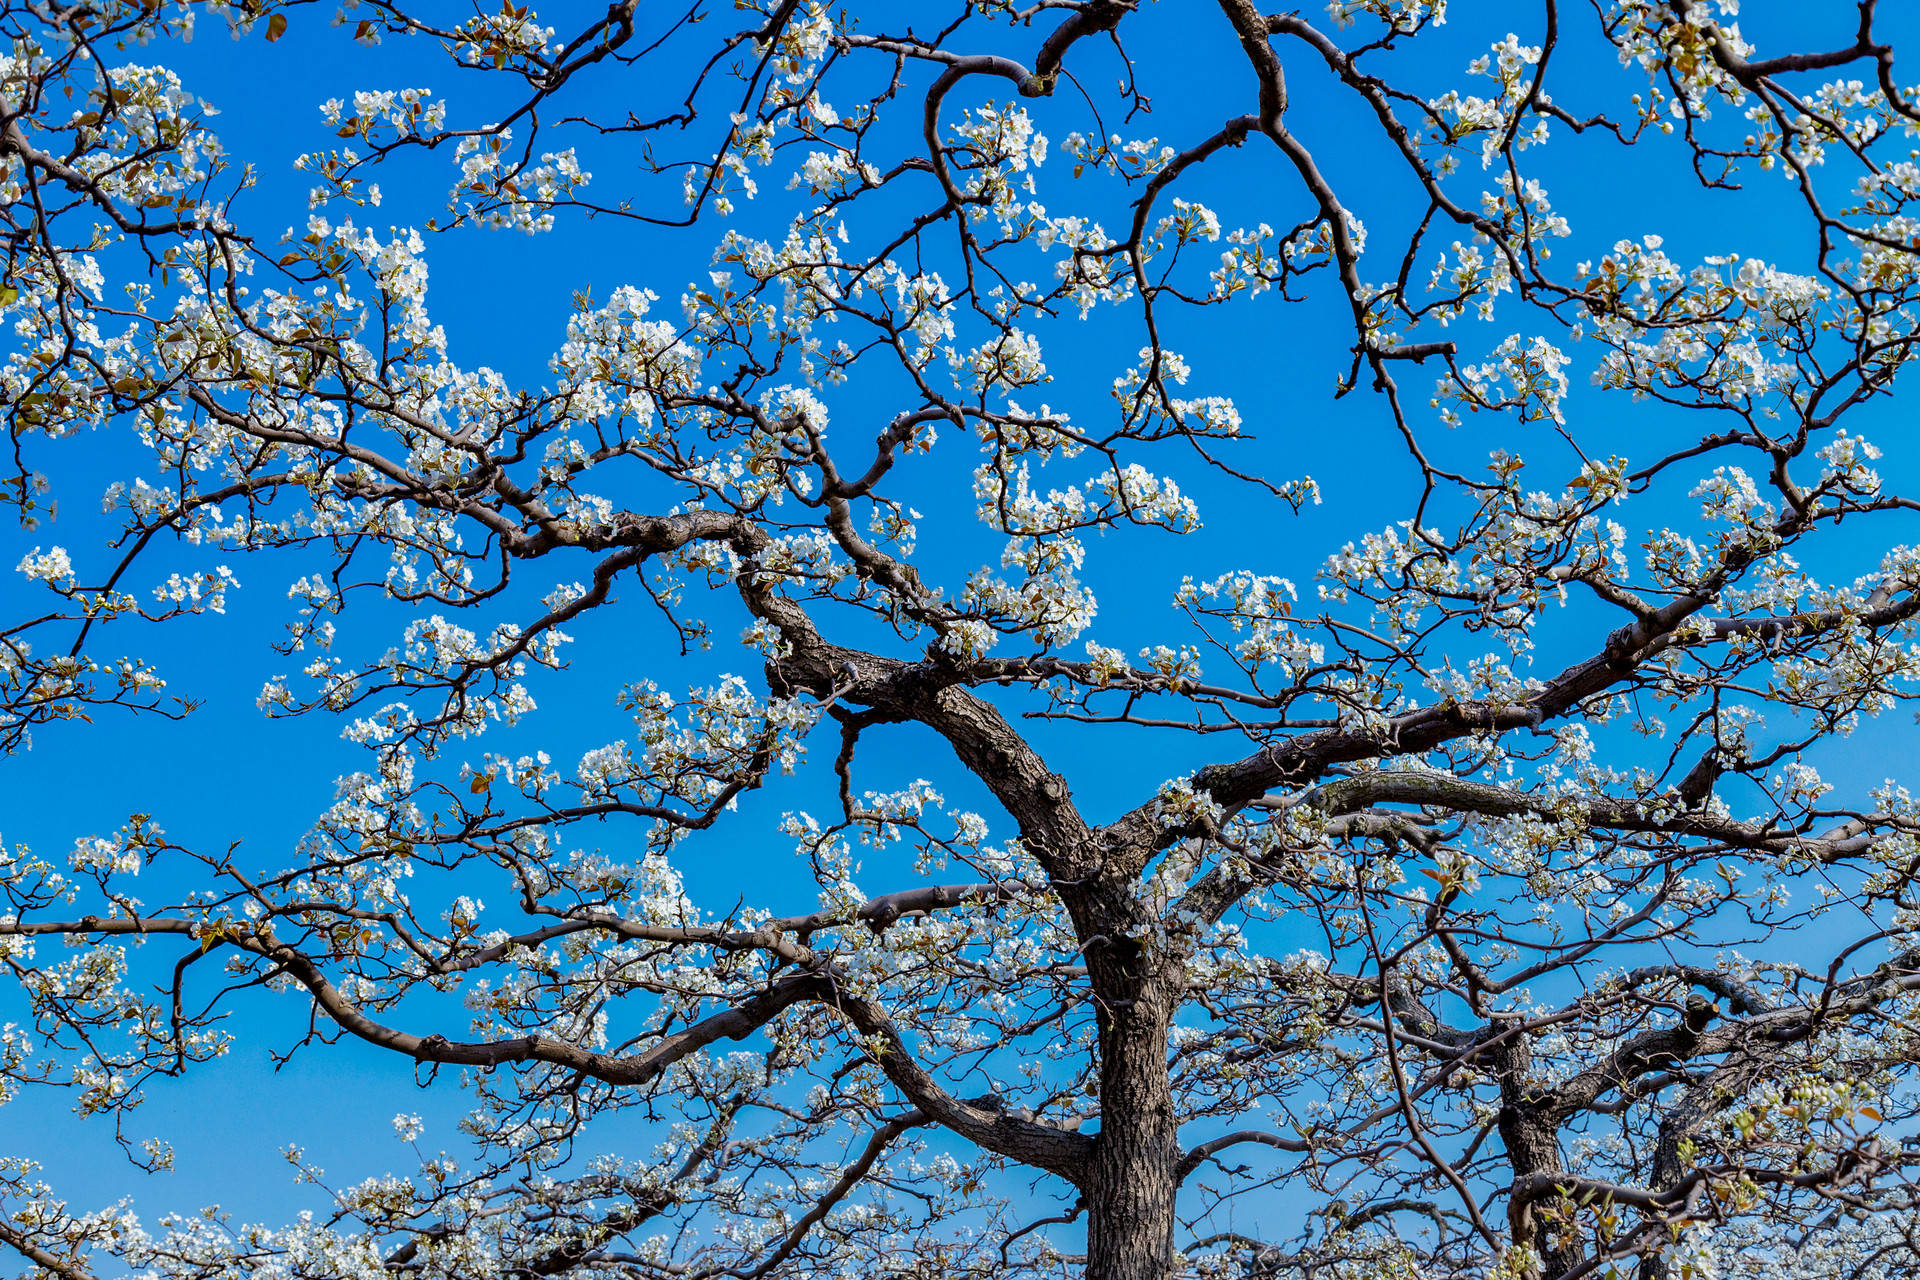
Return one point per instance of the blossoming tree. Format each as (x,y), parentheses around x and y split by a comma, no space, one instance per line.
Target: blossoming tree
(1504,927)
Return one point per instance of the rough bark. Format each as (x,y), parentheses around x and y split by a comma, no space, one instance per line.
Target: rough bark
(1685,1119)
(1530,1133)
(1133,1180)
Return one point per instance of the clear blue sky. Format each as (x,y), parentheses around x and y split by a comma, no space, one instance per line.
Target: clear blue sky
(229,775)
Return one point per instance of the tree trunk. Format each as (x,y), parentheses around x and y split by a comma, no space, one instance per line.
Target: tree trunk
(1533,1147)
(1685,1118)
(1131,1187)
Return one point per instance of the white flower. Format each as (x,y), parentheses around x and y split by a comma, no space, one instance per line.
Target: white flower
(52,566)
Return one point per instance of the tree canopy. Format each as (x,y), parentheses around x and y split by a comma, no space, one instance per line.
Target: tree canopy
(1072,639)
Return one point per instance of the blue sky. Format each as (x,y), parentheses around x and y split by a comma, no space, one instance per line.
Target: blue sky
(228,775)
